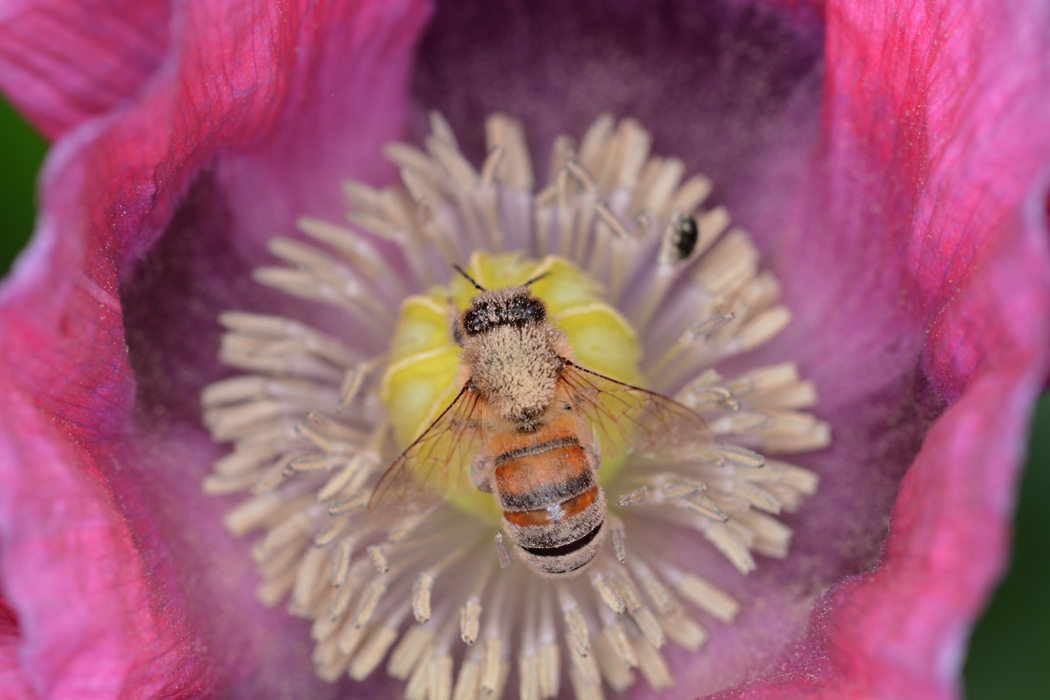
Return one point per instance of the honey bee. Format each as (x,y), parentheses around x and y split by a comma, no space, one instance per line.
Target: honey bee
(525,421)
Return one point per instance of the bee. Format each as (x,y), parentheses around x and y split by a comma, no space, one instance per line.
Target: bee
(525,420)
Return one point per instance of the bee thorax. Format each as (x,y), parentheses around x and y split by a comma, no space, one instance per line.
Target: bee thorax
(515,369)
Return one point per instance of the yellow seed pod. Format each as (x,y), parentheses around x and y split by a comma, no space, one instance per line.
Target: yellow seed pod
(419,382)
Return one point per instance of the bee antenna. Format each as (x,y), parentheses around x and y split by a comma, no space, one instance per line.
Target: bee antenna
(470,279)
(537,278)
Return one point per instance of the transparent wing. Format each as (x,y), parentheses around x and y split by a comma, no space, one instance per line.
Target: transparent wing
(435,466)
(631,418)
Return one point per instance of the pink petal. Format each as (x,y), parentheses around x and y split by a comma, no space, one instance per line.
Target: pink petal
(64,62)
(907,264)
(919,183)
(957,99)
(87,624)
(78,471)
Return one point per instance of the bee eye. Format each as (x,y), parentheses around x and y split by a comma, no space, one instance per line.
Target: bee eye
(476,320)
(527,310)
(536,311)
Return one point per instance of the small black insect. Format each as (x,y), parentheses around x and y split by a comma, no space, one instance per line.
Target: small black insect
(686,235)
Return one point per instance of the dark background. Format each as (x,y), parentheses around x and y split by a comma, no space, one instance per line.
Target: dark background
(1009,657)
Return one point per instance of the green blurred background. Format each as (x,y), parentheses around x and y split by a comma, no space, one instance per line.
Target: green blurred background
(1009,656)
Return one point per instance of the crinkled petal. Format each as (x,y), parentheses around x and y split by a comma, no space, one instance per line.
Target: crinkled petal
(64,62)
(907,214)
(87,623)
(887,218)
(939,109)
(84,455)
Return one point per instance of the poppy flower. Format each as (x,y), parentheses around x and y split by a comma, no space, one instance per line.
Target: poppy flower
(889,166)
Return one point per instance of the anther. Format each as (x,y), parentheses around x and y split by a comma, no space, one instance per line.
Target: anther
(421,590)
(576,631)
(502,552)
(470,621)
(701,593)
(490,666)
(619,539)
(607,593)
(637,497)
(378,557)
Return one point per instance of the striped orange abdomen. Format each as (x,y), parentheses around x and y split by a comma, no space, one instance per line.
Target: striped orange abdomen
(552,504)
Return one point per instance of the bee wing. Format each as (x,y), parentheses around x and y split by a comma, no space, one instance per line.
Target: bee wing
(629,417)
(435,466)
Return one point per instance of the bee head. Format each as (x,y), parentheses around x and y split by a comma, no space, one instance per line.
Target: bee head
(497,307)
(504,306)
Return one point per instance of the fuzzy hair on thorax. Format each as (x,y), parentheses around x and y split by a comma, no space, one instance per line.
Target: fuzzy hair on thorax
(515,368)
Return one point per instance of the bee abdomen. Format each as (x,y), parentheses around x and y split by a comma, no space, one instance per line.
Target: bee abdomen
(539,476)
(553,507)
(566,546)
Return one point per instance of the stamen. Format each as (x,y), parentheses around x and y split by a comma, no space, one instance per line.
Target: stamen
(607,593)
(320,413)
(341,562)
(358,251)
(705,596)
(653,666)
(441,677)
(492,163)
(507,133)
(366,607)
(575,626)
(642,615)
(370,656)
(529,673)
(470,621)
(413,645)
(616,227)
(759,330)
(418,686)
(421,591)
(637,497)
(468,684)
(490,666)
(305,590)
(355,379)
(703,506)
(730,544)
(549,669)
(378,557)
(684,632)
(616,636)
(613,670)
(619,539)
(501,550)
(593,144)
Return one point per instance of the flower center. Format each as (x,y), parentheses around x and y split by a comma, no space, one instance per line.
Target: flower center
(644,295)
(424,358)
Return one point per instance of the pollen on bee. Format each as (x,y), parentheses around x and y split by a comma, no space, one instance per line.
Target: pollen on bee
(642,294)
